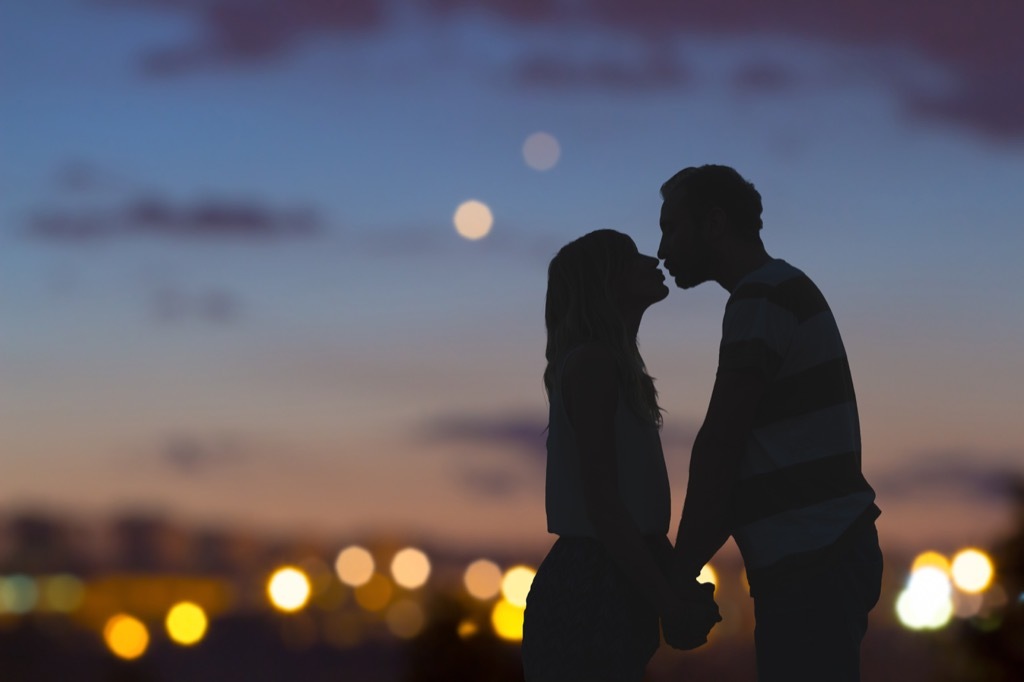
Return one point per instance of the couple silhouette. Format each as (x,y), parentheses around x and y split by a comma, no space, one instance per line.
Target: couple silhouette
(776,463)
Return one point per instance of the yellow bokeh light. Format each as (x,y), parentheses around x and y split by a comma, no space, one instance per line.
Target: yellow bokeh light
(354,566)
(186,623)
(405,619)
(63,593)
(930,559)
(410,568)
(708,575)
(541,151)
(473,220)
(468,628)
(126,637)
(507,620)
(972,571)
(516,585)
(483,579)
(375,594)
(288,589)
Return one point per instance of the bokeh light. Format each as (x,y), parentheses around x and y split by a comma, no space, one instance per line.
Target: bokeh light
(468,628)
(926,603)
(541,151)
(930,559)
(410,568)
(507,620)
(473,220)
(18,594)
(186,623)
(405,619)
(354,566)
(483,579)
(967,605)
(972,571)
(63,593)
(516,585)
(288,589)
(375,594)
(708,575)
(126,636)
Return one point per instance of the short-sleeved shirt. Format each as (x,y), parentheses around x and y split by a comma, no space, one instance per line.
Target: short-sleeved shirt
(801,484)
(641,472)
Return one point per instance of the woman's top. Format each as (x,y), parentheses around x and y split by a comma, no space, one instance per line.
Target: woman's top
(642,477)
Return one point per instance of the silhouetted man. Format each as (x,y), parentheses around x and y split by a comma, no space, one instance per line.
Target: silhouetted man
(777,461)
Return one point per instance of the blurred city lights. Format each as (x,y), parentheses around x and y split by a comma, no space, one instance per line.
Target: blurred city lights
(541,151)
(125,636)
(410,568)
(186,623)
(507,620)
(468,628)
(516,584)
(288,589)
(354,566)
(972,571)
(967,605)
(708,575)
(483,579)
(63,593)
(375,594)
(473,220)
(926,603)
(405,619)
(930,559)
(18,594)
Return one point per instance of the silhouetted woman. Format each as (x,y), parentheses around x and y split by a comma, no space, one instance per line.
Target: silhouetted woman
(593,610)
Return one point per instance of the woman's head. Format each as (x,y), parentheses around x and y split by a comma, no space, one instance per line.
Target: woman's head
(594,283)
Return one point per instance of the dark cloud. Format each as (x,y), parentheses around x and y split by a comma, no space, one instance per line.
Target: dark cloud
(213,305)
(191,455)
(252,31)
(977,43)
(154,216)
(556,73)
(519,438)
(957,474)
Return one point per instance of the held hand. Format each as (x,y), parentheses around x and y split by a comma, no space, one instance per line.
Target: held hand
(689,617)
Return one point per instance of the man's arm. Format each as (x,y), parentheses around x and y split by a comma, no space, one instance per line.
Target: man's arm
(714,468)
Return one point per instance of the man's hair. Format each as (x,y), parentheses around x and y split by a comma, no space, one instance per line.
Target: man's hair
(580,309)
(710,187)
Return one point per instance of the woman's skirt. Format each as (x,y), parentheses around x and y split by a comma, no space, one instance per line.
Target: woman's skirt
(585,620)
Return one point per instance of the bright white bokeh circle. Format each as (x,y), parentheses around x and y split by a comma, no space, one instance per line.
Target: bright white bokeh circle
(473,220)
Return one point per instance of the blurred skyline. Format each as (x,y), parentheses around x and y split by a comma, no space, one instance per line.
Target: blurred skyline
(233,289)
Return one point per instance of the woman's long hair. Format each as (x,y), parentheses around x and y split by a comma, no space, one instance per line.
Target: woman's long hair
(580,308)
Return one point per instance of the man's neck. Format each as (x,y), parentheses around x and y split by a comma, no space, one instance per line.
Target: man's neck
(742,263)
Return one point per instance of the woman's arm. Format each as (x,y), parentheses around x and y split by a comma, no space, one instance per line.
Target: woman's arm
(590,390)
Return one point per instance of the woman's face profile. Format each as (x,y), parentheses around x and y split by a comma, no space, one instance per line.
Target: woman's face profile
(640,283)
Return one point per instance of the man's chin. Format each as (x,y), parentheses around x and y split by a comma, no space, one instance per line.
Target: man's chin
(688,283)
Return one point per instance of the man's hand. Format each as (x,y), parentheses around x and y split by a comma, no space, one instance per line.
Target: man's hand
(686,622)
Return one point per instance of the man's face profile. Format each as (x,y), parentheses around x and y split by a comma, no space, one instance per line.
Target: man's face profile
(683,248)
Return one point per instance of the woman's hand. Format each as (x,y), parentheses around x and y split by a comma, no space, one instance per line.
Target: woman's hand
(689,615)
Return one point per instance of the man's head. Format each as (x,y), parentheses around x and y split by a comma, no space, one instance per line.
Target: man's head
(707,213)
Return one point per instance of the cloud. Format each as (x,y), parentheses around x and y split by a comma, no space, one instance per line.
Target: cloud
(251,31)
(212,305)
(976,43)
(965,475)
(190,455)
(151,216)
(512,450)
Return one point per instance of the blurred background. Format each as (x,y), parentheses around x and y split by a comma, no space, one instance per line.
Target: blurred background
(271,321)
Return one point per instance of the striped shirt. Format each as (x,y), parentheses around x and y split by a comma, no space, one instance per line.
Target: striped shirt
(800,483)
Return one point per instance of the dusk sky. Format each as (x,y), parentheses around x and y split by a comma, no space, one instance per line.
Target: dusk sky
(231,288)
